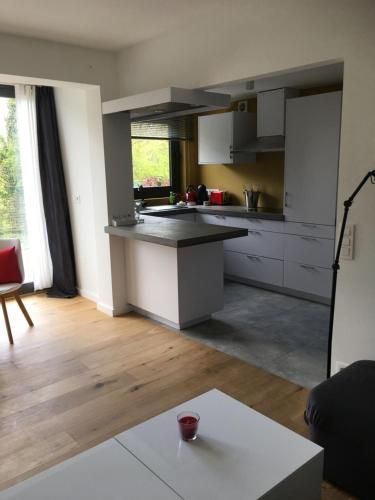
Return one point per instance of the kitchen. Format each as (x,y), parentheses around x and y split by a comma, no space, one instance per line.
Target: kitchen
(278,274)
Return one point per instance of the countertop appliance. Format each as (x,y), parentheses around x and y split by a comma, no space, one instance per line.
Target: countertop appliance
(202,194)
(191,194)
(218,197)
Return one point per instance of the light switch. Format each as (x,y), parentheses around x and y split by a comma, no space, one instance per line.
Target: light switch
(348,243)
(345,252)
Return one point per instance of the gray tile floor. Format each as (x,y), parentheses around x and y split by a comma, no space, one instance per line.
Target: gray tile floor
(284,335)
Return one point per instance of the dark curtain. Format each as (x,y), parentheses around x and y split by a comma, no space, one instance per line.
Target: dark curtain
(175,159)
(55,199)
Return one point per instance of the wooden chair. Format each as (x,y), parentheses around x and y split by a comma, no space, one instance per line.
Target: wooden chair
(9,290)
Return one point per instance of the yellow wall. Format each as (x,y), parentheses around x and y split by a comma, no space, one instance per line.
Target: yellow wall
(268,172)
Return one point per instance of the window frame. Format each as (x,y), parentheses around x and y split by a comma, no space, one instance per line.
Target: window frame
(174,173)
(8,91)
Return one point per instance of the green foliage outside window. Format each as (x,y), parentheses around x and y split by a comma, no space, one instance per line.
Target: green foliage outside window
(12,212)
(150,163)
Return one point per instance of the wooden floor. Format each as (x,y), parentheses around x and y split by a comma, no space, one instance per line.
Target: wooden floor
(80,377)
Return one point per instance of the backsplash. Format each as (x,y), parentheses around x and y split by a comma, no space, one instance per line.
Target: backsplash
(268,172)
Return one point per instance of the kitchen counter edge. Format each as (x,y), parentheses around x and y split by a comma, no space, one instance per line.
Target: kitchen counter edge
(175,233)
(235,211)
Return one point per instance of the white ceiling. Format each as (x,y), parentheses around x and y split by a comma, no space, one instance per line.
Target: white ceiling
(300,79)
(100,24)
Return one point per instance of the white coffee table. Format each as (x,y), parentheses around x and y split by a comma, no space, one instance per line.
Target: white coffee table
(105,472)
(239,454)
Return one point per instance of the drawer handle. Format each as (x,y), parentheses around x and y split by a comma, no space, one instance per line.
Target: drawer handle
(220,216)
(308,238)
(286,200)
(252,257)
(305,224)
(254,232)
(310,268)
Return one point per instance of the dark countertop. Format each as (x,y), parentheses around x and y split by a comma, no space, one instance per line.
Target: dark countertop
(229,210)
(175,233)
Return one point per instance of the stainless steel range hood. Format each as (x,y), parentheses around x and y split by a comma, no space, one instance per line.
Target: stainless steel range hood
(165,103)
(271,110)
(266,144)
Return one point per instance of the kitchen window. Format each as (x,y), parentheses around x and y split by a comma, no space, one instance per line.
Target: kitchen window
(156,167)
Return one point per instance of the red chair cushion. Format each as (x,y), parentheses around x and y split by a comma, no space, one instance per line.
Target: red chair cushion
(9,270)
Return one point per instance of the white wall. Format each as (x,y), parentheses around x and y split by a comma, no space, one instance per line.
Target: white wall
(74,131)
(26,60)
(29,57)
(249,38)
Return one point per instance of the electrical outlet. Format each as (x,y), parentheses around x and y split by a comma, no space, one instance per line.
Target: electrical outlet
(340,365)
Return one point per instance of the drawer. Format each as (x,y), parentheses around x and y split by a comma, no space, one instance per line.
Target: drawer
(261,243)
(253,267)
(309,250)
(309,279)
(275,226)
(307,229)
(213,219)
(244,222)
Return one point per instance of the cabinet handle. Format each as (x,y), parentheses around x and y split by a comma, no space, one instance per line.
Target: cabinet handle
(286,199)
(254,232)
(306,224)
(310,268)
(308,238)
(220,216)
(252,257)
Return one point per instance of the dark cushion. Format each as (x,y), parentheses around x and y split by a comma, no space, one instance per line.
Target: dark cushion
(341,417)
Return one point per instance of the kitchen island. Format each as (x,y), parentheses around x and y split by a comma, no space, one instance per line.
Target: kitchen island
(174,269)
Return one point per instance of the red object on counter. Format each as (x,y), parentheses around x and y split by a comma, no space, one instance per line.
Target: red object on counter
(218,197)
(191,196)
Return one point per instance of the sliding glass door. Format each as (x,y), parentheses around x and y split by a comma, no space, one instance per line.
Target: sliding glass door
(12,209)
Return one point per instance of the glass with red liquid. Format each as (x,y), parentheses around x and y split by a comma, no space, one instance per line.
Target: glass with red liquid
(188,423)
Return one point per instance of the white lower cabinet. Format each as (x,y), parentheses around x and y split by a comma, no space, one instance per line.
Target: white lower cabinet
(308,229)
(254,267)
(296,256)
(308,278)
(222,220)
(261,243)
(309,250)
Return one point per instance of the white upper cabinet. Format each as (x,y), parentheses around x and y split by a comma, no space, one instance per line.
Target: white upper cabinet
(221,136)
(311,158)
(271,111)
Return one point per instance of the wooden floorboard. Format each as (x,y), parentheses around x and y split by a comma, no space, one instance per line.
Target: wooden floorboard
(80,377)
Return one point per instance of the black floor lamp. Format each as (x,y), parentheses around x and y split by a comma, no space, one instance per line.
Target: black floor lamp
(336,265)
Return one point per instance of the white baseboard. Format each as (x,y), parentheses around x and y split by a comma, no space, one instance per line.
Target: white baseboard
(167,322)
(113,311)
(88,294)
